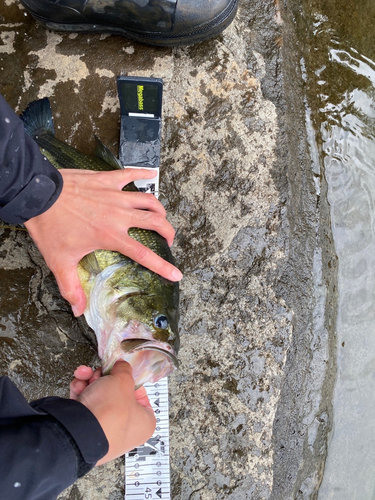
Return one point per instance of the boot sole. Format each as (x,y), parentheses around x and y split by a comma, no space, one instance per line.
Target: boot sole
(159,40)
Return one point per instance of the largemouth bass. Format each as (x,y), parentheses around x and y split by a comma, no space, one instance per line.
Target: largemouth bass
(133,311)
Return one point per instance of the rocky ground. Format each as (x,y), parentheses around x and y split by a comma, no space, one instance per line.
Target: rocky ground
(250,404)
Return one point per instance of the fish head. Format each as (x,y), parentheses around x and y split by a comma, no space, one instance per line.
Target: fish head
(159,317)
(150,339)
(136,322)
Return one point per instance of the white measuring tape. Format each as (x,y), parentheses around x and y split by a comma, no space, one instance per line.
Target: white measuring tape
(147,474)
(149,185)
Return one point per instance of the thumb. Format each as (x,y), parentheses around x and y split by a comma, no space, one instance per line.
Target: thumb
(71,289)
(122,369)
(142,397)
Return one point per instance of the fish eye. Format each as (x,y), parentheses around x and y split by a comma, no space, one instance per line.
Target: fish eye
(161,322)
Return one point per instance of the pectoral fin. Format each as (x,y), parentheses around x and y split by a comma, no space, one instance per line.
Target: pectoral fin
(90,264)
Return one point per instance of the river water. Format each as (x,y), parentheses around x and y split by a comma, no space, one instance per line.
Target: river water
(338,66)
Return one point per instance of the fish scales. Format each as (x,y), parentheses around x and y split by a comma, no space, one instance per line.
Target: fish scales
(133,311)
(61,155)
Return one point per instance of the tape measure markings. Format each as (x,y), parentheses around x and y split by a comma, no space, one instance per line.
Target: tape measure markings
(147,467)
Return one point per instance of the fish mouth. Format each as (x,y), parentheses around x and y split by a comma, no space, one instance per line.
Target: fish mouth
(150,360)
(135,345)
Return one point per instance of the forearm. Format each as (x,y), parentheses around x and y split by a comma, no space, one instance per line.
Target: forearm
(29,183)
(46,445)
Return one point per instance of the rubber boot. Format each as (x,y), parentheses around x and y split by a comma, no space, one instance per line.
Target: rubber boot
(155,22)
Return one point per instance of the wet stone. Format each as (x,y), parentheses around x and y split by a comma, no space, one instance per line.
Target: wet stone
(224,165)
(39,337)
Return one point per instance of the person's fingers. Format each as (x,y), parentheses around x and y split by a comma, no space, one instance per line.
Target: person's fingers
(147,258)
(96,375)
(141,201)
(142,397)
(112,183)
(70,287)
(83,372)
(84,376)
(119,178)
(122,370)
(93,212)
(145,219)
(135,174)
(77,387)
(118,409)
(127,174)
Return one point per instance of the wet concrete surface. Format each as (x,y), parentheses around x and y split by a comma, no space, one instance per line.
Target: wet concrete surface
(250,404)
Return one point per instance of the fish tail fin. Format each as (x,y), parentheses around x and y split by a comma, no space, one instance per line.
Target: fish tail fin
(37,118)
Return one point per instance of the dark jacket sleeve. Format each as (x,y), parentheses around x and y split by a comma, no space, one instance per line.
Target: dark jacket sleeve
(45,445)
(29,183)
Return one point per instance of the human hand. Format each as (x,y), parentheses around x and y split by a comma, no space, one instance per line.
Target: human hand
(91,213)
(83,377)
(125,415)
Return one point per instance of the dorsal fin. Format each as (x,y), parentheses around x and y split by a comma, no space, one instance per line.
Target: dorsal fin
(90,264)
(37,118)
(105,154)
